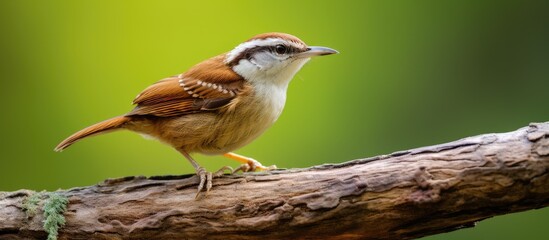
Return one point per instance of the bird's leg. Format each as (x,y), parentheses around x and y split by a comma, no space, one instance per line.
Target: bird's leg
(249,164)
(204,176)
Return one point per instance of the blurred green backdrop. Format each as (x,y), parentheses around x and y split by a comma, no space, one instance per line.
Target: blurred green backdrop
(410,73)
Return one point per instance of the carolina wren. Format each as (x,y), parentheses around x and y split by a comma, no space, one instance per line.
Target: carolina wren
(219,105)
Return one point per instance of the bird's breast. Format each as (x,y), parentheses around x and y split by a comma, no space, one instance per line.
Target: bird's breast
(247,119)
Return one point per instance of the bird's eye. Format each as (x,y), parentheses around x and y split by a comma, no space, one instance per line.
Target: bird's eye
(281,49)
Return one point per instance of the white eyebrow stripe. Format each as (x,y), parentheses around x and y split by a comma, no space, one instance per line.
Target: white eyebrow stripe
(258,43)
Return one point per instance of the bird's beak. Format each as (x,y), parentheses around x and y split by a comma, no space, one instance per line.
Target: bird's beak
(316,51)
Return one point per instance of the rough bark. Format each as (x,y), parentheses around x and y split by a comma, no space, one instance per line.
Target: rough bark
(403,195)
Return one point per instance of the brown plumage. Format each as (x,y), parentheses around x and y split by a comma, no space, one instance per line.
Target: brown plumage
(167,98)
(101,127)
(218,105)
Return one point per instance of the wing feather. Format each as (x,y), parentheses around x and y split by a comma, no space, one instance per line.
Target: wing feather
(207,86)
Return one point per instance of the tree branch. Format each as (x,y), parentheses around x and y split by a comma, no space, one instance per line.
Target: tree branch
(403,195)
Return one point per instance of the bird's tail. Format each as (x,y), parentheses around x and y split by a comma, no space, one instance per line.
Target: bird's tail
(102,127)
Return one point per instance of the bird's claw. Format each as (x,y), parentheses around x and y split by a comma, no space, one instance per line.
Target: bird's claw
(252,166)
(206,177)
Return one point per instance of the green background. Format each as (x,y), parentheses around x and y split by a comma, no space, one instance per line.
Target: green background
(410,73)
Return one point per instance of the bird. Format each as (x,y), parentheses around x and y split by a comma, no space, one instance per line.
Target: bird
(219,105)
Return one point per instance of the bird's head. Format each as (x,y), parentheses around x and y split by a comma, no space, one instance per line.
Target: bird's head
(272,57)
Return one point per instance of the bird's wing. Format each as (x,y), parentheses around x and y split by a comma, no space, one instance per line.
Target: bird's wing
(205,87)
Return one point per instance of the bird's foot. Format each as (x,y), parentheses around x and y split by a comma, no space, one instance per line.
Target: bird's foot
(206,178)
(249,164)
(253,165)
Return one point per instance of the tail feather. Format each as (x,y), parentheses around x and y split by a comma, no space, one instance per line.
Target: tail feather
(102,127)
